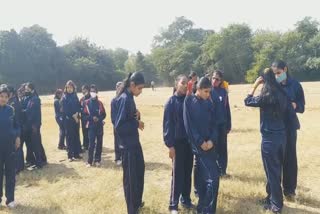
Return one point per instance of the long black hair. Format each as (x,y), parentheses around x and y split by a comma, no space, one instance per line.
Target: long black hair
(13,91)
(137,78)
(32,87)
(272,94)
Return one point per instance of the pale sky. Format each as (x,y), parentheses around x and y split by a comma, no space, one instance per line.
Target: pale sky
(131,24)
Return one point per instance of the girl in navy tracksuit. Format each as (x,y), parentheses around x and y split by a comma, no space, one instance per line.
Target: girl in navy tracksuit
(15,103)
(94,114)
(71,113)
(295,94)
(60,118)
(274,109)
(9,142)
(85,130)
(127,125)
(117,143)
(220,99)
(199,121)
(31,109)
(176,139)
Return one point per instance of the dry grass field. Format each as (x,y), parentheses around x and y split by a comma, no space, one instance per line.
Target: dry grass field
(63,187)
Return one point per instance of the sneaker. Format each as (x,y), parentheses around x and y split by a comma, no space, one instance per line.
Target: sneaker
(31,168)
(78,158)
(187,205)
(97,164)
(173,211)
(11,205)
(88,165)
(118,162)
(272,208)
(28,164)
(71,159)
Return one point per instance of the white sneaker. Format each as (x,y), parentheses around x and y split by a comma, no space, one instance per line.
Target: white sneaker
(11,205)
(88,165)
(98,164)
(174,211)
(118,162)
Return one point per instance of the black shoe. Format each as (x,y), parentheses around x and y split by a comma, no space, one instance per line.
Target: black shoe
(78,157)
(141,205)
(224,175)
(28,164)
(187,204)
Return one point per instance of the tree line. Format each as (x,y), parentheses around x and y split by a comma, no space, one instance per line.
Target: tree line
(33,55)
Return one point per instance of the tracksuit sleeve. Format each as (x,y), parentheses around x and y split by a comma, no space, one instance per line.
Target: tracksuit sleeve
(168,125)
(102,114)
(34,110)
(123,124)
(300,100)
(113,111)
(252,101)
(16,125)
(228,114)
(191,126)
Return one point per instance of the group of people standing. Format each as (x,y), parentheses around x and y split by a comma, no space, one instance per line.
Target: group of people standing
(20,124)
(70,112)
(196,124)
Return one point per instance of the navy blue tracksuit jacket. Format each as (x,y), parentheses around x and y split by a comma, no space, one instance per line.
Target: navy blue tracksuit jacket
(295,94)
(94,108)
(199,121)
(175,135)
(9,131)
(273,130)
(126,126)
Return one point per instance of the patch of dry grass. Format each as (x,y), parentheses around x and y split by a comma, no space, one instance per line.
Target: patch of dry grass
(64,187)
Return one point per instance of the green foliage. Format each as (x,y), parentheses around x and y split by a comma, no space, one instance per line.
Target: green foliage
(33,55)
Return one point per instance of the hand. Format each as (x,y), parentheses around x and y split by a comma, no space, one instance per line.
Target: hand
(210,145)
(294,105)
(141,125)
(172,153)
(204,146)
(138,115)
(258,81)
(34,129)
(76,117)
(95,119)
(17,143)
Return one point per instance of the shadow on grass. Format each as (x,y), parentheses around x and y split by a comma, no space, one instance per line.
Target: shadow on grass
(52,172)
(53,209)
(247,178)
(244,205)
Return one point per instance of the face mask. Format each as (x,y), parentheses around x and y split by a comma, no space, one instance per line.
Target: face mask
(93,94)
(282,77)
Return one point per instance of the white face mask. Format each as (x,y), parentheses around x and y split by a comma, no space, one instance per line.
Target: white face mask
(93,94)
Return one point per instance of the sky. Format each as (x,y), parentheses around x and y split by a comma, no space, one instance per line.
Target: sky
(132,24)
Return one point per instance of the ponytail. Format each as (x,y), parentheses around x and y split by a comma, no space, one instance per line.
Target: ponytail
(125,84)
(137,78)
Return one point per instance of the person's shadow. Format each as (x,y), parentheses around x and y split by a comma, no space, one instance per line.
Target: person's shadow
(54,209)
(52,172)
